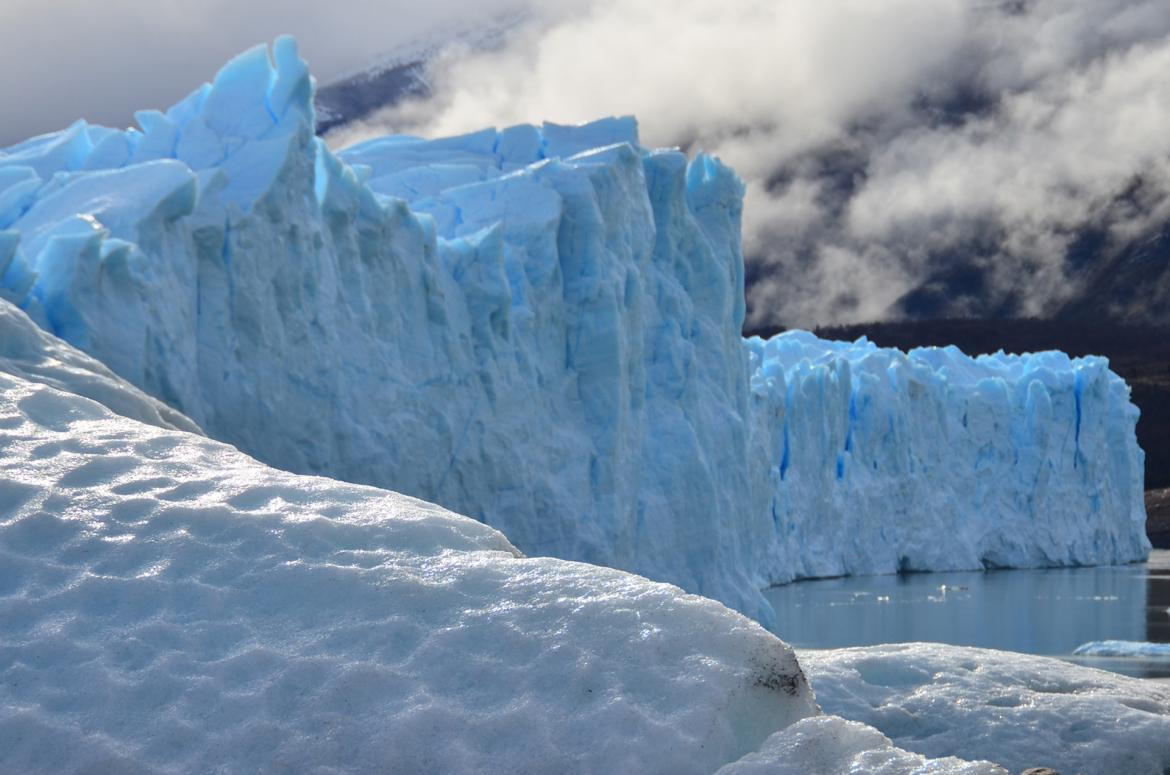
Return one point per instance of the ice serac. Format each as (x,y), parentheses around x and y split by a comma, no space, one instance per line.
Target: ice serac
(540,327)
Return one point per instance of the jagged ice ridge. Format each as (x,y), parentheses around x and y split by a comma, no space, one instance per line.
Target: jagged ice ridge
(540,327)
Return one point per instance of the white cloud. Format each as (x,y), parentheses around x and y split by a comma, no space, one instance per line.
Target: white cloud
(877,139)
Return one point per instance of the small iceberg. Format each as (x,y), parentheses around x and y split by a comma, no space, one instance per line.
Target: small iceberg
(1123,648)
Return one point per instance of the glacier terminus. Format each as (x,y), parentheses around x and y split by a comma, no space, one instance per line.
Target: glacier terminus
(540,327)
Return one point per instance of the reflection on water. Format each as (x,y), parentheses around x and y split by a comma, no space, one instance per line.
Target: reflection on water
(1048,612)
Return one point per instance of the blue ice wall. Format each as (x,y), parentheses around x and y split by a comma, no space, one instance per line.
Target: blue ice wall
(539,327)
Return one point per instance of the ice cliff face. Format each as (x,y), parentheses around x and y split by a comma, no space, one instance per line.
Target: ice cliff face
(887,461)
(539,327)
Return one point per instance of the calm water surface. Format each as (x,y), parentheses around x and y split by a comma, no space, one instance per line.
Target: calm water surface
(1048,612)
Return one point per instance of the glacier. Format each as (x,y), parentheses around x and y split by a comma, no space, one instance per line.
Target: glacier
(539,327)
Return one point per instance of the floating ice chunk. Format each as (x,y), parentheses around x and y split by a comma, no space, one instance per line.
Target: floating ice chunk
(1122,648)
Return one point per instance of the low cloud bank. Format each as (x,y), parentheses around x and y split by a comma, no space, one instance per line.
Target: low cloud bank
(929,156)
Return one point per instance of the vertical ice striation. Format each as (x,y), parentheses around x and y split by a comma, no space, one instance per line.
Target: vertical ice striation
(539,327)
(931,459)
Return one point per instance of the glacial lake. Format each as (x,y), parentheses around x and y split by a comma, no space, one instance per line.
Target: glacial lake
(1048,612)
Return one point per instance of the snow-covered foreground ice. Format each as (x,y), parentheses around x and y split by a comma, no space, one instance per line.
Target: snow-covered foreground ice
(168,604)
(28,352)
(540,327)
(1016,710)
(827,745)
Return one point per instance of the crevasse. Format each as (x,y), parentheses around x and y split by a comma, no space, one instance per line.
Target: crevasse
(540,327)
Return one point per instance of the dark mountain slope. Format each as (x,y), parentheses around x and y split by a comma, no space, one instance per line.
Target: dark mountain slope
(359,96)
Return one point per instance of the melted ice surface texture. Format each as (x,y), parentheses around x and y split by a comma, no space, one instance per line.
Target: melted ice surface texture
(168,604)
(830,745)
(28,352)
(540,327)
(1017,710)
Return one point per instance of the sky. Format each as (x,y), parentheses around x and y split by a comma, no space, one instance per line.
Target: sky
(881,142)
(66,59)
